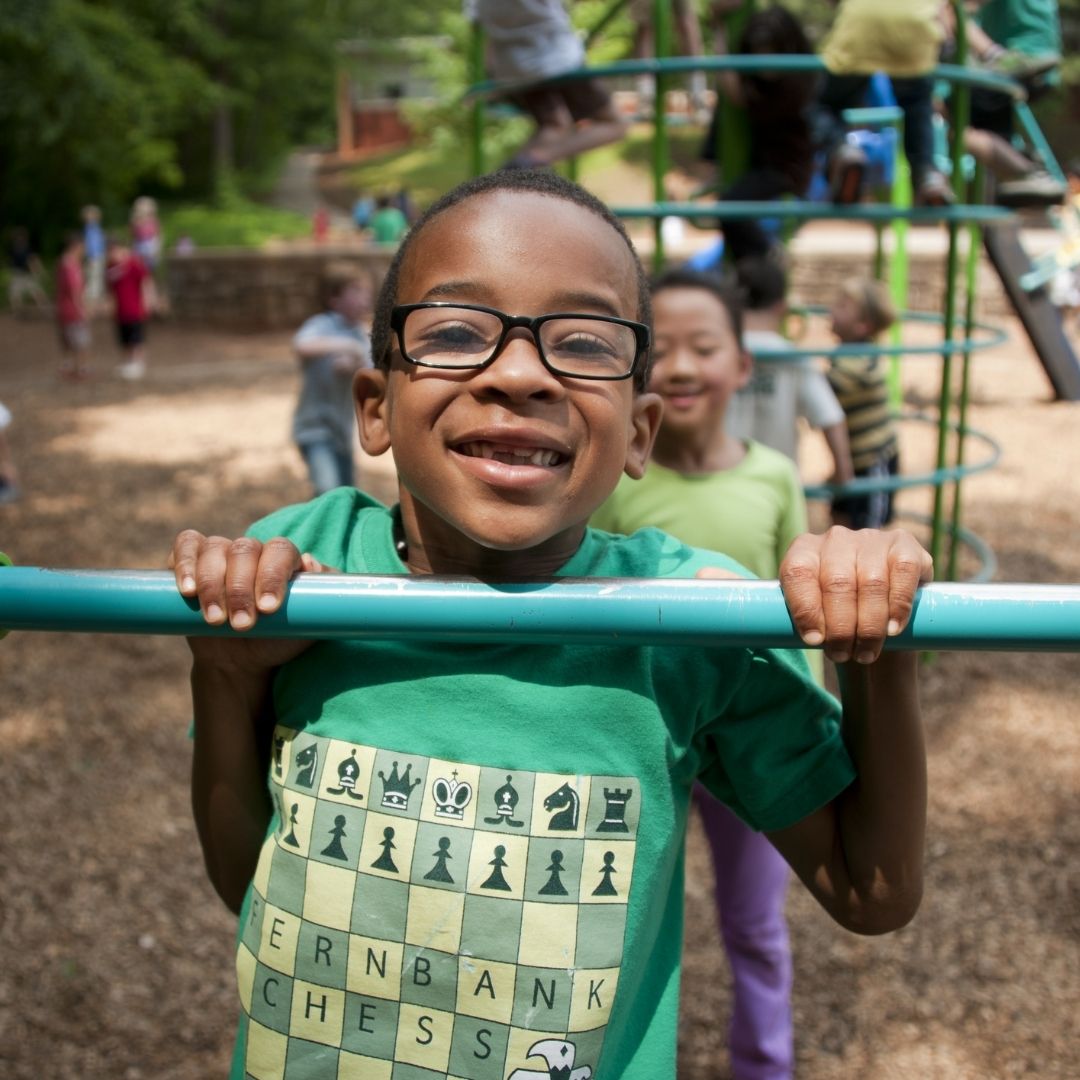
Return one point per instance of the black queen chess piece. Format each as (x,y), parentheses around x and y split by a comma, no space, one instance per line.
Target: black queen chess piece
(397,788)
(506,800)
(615,811)
(348,771)
(451,797)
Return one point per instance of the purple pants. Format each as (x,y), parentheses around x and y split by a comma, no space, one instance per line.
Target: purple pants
(751,885)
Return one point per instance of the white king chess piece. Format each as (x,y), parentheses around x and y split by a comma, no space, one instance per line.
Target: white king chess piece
(559,1056)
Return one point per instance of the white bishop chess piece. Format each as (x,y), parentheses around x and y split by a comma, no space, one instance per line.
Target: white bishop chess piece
(559,1056)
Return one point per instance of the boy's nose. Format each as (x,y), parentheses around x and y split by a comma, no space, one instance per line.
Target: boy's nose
(517,371)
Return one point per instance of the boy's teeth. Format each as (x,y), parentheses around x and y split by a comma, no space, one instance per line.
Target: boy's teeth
(512,455)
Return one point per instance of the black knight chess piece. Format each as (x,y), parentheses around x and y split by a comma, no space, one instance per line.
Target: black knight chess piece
(307,762)
(567,804)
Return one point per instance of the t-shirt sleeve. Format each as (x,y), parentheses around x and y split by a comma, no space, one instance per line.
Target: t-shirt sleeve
(776,754)
(817,402)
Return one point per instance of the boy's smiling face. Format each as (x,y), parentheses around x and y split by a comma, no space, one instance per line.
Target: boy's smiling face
(698,362)
(501,468)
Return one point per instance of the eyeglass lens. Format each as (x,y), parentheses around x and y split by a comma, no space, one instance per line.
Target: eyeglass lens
(461,337)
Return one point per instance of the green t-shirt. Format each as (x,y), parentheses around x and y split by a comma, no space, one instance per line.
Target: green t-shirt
(388,225)
(1028,26)
(698,509)
(475,861)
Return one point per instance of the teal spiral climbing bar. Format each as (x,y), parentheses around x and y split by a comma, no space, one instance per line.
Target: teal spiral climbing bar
(969,216)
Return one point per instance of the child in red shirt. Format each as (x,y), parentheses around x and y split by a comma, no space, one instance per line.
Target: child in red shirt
(128,276)
(70,313)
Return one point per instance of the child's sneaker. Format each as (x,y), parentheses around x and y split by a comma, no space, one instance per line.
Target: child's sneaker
(1022,67)
(1038,188)
(132,369)
(847,168)
(934,189)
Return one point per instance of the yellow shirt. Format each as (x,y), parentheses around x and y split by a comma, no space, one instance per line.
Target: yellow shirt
(899,37)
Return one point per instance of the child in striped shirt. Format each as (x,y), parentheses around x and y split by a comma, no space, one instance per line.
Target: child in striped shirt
(861,311)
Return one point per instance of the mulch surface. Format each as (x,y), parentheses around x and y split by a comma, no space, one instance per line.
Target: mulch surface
(117,956)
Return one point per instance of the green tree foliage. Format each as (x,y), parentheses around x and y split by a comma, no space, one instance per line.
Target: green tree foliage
(102,99)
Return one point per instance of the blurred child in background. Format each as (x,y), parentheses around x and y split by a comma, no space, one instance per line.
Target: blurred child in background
(331,348)
(71,311)
(129,281)
(861,311)
(769,406)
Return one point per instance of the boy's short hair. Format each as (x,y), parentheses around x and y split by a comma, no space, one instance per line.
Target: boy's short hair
(872,297)
(762,280)
(336,277)
(722,288)
(534,181)
(71,239)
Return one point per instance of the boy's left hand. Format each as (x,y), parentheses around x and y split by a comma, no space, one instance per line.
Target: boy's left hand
(848,591)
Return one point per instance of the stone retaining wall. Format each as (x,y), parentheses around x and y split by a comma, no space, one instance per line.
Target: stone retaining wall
(241,289)
(266,289)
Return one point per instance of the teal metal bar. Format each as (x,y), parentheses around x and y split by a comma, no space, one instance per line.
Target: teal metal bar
(596,611)
(803,210)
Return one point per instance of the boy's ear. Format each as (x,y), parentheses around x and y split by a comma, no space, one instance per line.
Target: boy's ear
(370,394)
(645,423)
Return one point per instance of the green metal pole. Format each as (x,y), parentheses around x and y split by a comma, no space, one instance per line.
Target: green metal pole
(974,233)
(898,264)
(960,117)
(660,156)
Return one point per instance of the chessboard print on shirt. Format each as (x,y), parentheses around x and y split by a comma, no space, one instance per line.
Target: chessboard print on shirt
(412,917)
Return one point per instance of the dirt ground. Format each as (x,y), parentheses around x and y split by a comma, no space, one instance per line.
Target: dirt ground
(117,957)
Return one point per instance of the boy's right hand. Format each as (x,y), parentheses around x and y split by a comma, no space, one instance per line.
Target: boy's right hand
(234,582)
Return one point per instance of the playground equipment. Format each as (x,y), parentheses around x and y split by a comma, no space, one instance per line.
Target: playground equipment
(969,214)
(593,612)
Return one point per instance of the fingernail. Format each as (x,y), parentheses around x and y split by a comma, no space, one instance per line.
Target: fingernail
(187,584)
(241,620)
(813,637)
(894,627)
(865,657)
(841,657)
(214,614)
(315,565)
(267,602)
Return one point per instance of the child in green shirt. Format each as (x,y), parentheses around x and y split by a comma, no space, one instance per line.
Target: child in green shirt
(744,499)
(468,859)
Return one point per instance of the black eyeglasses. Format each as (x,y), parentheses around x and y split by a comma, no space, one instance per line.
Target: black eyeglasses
(457,337)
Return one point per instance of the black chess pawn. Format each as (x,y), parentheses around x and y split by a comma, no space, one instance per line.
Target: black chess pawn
(554,886)
(495,878)
(439,872)
(386,861)
(334,849)
(291,838)
(605,888)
